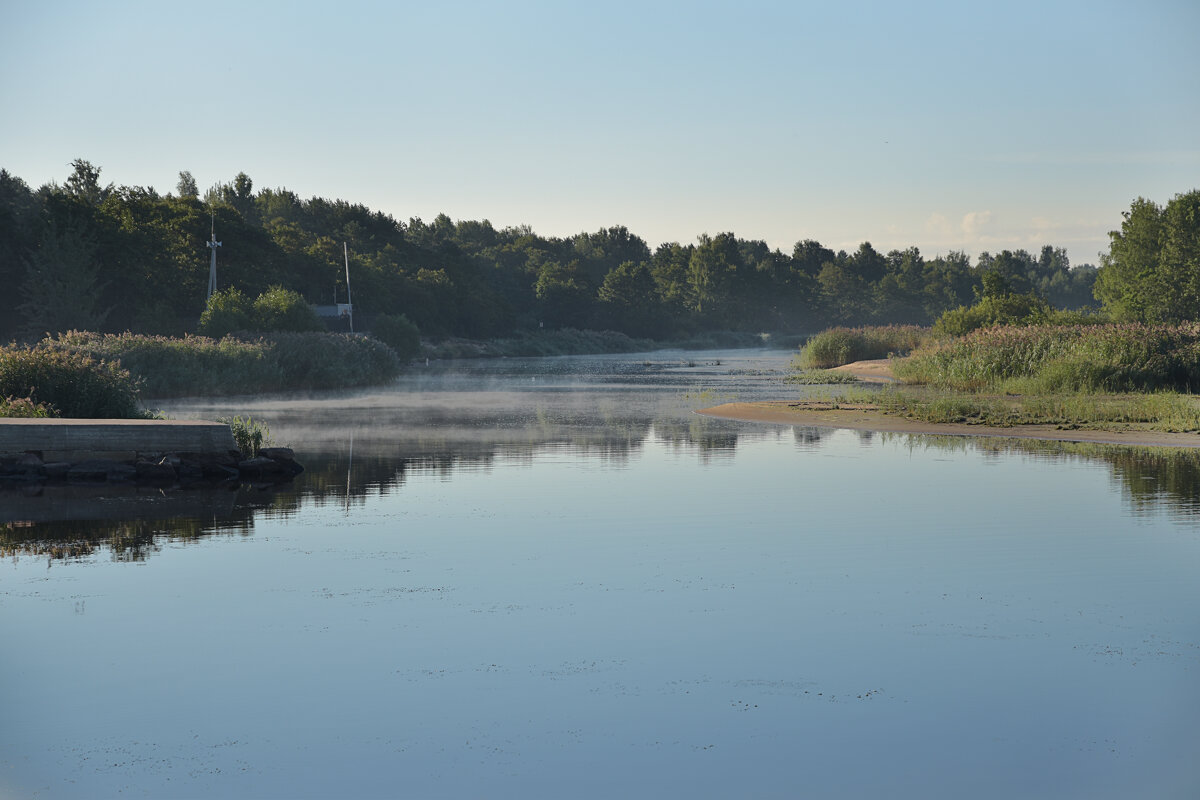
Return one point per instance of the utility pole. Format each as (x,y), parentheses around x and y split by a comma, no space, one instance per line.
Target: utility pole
(212,245)
(349,299)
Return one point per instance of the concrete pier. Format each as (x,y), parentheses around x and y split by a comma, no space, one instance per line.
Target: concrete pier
(119,439)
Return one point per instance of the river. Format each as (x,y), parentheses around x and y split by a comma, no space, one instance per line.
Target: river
(549,578)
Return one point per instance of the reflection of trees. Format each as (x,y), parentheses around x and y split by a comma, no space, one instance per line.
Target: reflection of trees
(131,540)
(1150,478)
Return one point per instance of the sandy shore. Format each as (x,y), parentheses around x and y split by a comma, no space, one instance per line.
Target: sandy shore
(877,370)
(819,414)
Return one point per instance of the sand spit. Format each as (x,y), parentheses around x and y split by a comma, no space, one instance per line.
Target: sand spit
(822,414)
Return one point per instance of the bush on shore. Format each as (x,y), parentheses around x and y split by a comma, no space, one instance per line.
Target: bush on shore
(276,309)
(1075,358)
(67,384)
(837,346)
(398,333)
(201,366)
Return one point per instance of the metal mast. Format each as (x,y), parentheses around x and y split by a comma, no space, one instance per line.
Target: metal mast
(349,299)
(212,245)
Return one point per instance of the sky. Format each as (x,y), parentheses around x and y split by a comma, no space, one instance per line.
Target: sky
(941,125)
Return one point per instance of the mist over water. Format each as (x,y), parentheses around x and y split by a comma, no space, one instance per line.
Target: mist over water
(548,577)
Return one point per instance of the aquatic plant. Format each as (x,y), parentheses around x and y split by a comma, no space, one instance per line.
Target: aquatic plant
(201,366)
(837,346)
(1076,358)
(248,435)
(24,407)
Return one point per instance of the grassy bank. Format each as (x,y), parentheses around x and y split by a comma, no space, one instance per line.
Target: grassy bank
(200,366)
(1051,359)
(837,346)
(1110,377)
(573,342)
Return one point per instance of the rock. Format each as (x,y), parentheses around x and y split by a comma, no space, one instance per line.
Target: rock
(56,470)
(261,465)
(101,469)
(29,461)
(155,471)
(278,453)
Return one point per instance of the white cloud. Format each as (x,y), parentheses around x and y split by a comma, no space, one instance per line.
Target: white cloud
(973,223)
(938,225)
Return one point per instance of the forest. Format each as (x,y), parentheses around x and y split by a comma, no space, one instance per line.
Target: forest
(89,256)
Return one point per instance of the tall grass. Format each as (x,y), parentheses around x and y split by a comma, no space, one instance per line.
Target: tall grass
(198,365)
(68,384)
(837,346)
(1048,359)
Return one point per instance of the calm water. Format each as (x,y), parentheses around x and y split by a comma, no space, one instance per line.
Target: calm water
(547,578)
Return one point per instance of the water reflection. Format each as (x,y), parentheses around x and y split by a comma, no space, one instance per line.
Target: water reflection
(474,417)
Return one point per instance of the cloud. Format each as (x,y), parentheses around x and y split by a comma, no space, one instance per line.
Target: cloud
(974,221)
(938,225)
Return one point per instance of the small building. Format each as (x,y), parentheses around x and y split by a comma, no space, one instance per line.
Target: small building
(335,311)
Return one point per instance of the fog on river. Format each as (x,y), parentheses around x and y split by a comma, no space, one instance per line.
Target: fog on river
(549,577)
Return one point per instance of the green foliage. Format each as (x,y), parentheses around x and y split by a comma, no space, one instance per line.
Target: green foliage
(74,384)
(1042,358)
(1152,270)
(227,311)
(13,407)
(201,366)
(248,435)
(469,279)
(279,309)
(62,282)
(820,377)
(331,360)
(837,346)
(1160,411)
(398,333)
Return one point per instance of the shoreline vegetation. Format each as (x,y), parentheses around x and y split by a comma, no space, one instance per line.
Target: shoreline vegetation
(1117,383)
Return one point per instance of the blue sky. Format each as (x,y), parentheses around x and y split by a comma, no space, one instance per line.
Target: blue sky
(940,125)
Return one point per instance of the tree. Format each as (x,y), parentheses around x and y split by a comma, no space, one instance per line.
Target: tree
(629,300)
(187,186)
(62,283)
(280,309)
(84,182)
(1129,281)
(227,311)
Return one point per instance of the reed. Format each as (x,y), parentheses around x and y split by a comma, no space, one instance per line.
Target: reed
(201,366)
(1056,359)
(68,384)
(837,346)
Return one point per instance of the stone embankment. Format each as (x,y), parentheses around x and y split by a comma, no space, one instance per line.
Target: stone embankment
(158,452)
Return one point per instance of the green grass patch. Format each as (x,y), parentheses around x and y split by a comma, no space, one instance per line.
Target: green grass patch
(820,377)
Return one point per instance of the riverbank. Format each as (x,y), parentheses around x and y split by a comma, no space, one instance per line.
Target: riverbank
(163,453)
(865,417)
(1027,419)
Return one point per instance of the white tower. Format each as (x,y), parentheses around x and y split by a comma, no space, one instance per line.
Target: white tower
(212,245)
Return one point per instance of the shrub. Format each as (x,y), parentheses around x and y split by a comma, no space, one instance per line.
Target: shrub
(331,360)
(226,312)
(75,384)
(279,309)
(248,435)
(198,365)
(837,346)
(14,407)
(398,333)
(1048,358)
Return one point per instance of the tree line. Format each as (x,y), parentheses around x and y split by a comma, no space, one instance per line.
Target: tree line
(85,255)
